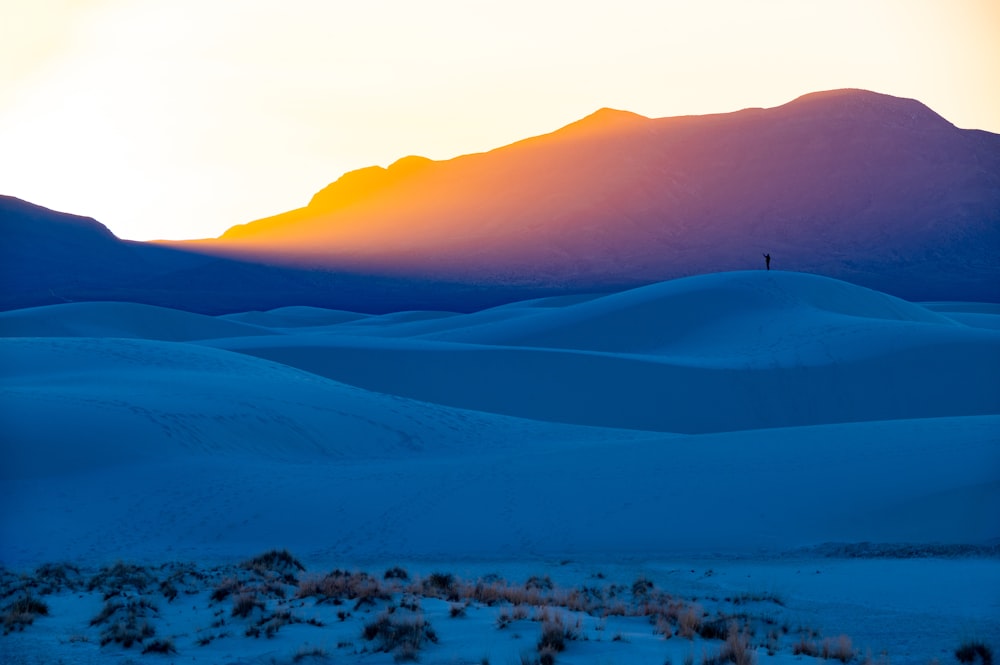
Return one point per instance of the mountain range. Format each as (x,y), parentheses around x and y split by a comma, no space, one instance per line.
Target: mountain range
(873,189)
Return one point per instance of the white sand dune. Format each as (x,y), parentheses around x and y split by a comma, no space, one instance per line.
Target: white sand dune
(715,353)
(814,411)
(118,319)
(294,317)
(82,403)
(734,313)
(925,481)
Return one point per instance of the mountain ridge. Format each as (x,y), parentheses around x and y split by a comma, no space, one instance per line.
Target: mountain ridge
(867,188)
(848,183)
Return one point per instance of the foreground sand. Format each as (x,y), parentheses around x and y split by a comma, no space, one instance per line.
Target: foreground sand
(879,610)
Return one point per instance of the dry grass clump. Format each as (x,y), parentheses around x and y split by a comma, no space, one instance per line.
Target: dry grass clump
(838,648)
(226,587)
(973,650)
(757,597)
(180,577)
(54,577)
(119,578)
(306,651)
(339,585)
(689,621)
(736,649)
(396,573)
(269,625)
(22,612)
(279,562)
(245,603)
(400,633)
(126,623)
(555,633)
(806,646)
(160,646)
(441,585)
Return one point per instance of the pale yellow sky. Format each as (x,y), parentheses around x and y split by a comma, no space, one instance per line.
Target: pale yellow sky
(180,118)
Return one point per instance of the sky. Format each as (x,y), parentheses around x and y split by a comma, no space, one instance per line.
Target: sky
(177,119)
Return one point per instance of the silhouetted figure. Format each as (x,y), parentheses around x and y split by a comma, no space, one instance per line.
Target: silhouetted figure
(767,261)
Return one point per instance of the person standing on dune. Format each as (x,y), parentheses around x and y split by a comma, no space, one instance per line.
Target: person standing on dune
(767,261)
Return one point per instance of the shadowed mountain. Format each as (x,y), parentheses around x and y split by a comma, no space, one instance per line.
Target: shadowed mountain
(49,257)
(857,185)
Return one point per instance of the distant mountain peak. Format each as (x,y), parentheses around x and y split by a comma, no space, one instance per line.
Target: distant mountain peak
(605,119)
(355,186)
(855,103)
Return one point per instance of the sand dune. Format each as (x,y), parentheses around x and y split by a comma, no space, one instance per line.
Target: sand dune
(723,352)
(753,307)
(118,319)
(84,403)
(294,317)
(727,493)
(741,411)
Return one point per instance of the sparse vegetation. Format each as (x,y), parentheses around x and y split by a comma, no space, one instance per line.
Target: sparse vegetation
(973,650)
(160,646)
(245,603)
(387,609)
(307,651)
(806,646)
(23,612)
(402,634)
(54,577)
(736,649)
(121,578)
(280,562)
(838,648)
(555,634)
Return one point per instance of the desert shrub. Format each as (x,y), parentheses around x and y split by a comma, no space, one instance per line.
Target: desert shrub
(125,623)
(245,603)
(547,656)
(396,573)
(274,560)
(127,632)
(168,590)
(398,633)
(438,584)
(839,648)
(22,612)
(227,586)
(456,610)
(971,650)
(555,634)
(689,621)
(543,583)
(308,652)
(714,630)
(736,649)
(805,647)
(160,646)
(758,597)
(641,589)
(280,562)
(338,584)
(119,577)
(53,577)
(270,625)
